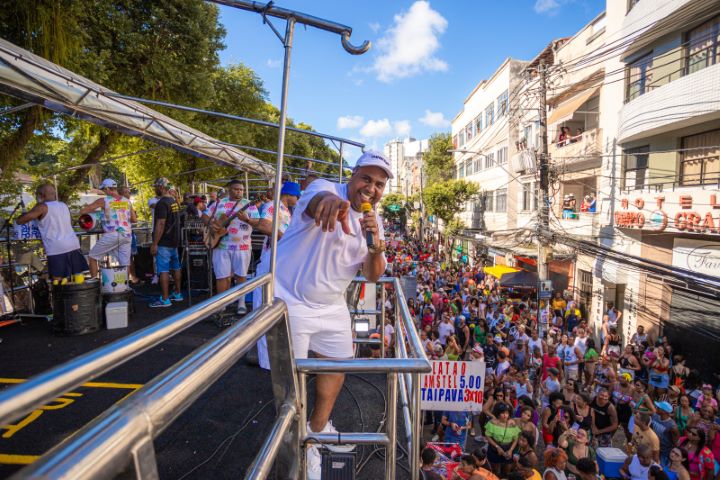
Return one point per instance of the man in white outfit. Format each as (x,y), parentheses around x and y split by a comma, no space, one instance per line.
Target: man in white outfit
(62,247)
(318,257)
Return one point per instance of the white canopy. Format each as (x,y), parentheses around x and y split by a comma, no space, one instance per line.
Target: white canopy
(34,79)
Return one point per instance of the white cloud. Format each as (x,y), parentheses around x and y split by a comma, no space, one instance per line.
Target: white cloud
(358,82)
(434,119)
(402,128)
(550,7)
(377,128)
(349,121)
(273,63)
(374,26)
(408,48)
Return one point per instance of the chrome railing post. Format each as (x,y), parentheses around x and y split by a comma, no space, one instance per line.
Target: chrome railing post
(286,391)
(302,423)
(391,449)
(417,427)
(382,319)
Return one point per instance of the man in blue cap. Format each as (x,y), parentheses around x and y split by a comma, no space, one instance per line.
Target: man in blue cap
(289,196)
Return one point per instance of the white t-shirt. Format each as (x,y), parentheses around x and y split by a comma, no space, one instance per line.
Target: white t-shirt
(389,334)
(444,331)
(315,268)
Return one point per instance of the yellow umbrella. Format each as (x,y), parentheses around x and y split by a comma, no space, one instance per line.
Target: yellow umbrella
(499,270)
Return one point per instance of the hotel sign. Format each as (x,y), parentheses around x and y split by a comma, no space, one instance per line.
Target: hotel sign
(697,212)
(699,256)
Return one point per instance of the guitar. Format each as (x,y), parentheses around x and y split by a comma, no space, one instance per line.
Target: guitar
(216,231)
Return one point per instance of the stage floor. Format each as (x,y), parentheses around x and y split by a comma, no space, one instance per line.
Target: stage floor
(216,438)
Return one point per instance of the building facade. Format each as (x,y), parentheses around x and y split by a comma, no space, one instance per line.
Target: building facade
(405,158)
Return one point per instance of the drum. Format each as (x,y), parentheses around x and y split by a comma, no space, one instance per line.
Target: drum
(114,279)
(76,308)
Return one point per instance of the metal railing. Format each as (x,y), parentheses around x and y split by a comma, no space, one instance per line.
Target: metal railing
(405,368)
(124,433)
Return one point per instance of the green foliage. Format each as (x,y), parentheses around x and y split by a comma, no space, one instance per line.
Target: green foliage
(390,204)
(163,49)
(438,162)
(447,198)
(454,227)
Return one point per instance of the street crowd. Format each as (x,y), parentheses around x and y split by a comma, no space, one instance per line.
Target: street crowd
(556,389)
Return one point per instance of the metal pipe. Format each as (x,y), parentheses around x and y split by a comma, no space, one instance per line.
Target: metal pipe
(268,9)
(340,172)
(232,117)
(391,452)
(417,429)
(289,32)
(16,108)
(41,389)
(366,365)
(354,438)
(382,316)
(261,466)
(406,411)
(302,422)
(100,449)
(274,152)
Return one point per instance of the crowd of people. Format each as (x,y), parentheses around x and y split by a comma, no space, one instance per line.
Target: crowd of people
(556,388)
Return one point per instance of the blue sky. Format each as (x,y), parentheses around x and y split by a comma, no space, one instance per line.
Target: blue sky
(426,58)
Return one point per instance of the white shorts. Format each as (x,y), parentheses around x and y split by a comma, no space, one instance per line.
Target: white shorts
(114,244)
(227,263)
(330,337)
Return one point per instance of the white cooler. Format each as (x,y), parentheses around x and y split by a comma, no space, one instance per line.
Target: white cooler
(116,315)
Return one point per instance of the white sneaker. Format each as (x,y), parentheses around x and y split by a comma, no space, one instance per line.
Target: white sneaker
(330,428)
(154,280)
(242,308)
(314,463)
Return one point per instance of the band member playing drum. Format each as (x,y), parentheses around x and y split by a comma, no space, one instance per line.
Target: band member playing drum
(118,215)
(62,246)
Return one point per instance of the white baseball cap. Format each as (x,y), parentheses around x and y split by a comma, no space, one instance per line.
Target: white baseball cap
(372,158)
(108,183)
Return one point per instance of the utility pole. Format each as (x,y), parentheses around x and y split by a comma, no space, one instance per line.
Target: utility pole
(543,227)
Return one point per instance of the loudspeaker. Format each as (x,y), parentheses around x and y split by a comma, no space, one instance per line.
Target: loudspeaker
(199,265)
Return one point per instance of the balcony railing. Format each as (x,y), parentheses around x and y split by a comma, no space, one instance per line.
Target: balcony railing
(583,224)
(585,146)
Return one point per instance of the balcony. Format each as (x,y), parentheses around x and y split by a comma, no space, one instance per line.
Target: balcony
(580,224)
(579,152)
(685,101)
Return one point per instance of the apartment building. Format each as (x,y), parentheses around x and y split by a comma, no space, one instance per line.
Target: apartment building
(484,142)
(662,171)
(405,156)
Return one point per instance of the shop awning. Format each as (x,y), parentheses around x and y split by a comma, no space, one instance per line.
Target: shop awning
(565,110)
(37,80)
(499,270)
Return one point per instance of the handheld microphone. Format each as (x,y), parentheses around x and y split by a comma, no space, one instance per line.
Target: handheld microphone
(366,208)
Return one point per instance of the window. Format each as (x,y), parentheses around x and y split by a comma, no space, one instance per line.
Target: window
(502,104)
(527,192)
(639,77)
(703,45)
(489,116)
(468,167)
(586,288)
(489,160)
(478,124)
(478,163)
(488,197)
(455,141)
(462,137)
(469,131)
(700,160)
(461,170)
(631,4)
(527,135)
(502,156)
(501,200)
(636,165)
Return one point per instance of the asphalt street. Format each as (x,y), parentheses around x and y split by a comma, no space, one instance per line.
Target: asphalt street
(217,437)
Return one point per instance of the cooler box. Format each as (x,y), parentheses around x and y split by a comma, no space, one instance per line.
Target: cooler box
(610,460)
(116,315)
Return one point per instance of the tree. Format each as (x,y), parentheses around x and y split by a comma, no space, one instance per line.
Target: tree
(446,198)
(438,162)
(393,205)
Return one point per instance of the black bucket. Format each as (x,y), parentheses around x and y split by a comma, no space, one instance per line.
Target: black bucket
(126,296)
(76,308)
